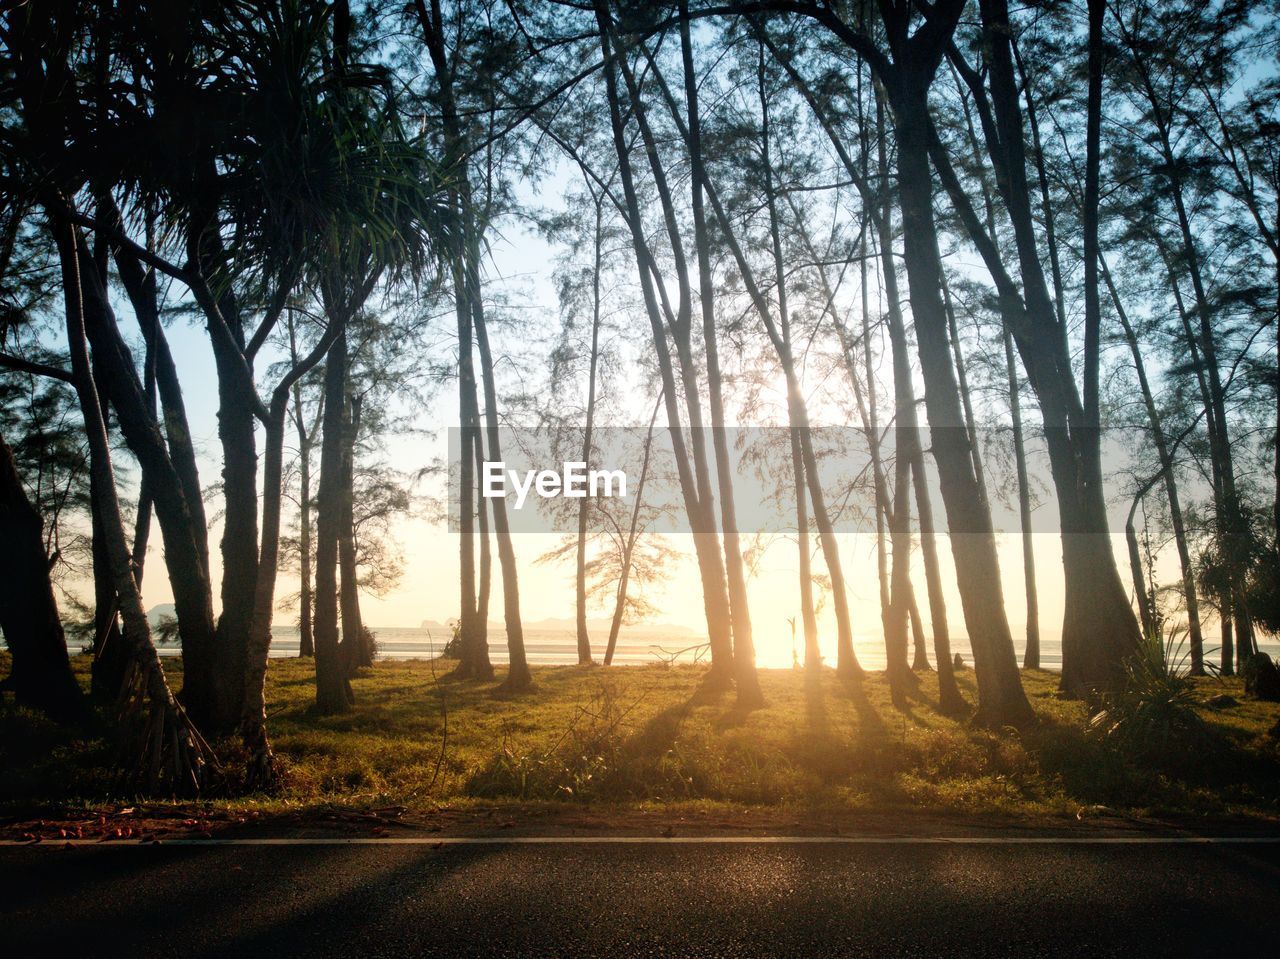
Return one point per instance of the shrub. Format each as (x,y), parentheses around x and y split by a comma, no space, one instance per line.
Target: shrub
(1153,717)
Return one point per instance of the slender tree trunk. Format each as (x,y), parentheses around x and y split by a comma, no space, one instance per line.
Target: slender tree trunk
(239,544)
(919,644)
(41,674)
(474,654)
(1002,700)
(966,396)
(306,637)
(1227,664)
(1099,628)
(846,660)
(744,653)
(109,661)
(485,588)
(185,545)
(808,614)
(332,686)
(357,647)
(949,699)
(261,766)
(633,531)
(580,596)
(1031,657)
(518,675)
(908,437)
(1146,609)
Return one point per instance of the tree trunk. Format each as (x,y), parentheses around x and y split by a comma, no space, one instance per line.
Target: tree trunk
(1099,628)
(624,574)
(239,546)
(949,699)
(846,660)
(744,653)
(332,686)
(1031,656)
(1146,612)
(919,644)
(185,544)
(1227,663)
(260,770)
(907,433)
(518,675)
(306,439)
(41,674)
(808,615)
(485,588)
(580,584)
(357,648)
(1001,697)
(109,661)
(474,653)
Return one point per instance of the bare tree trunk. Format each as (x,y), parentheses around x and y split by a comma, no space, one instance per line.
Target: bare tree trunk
(808,615)
(239,544)
(1002,700)
(919,644)
(261,766)
(620,603)
(109,661)
(306,440)
(744,653)
(185,544)
(846,660)
(357,647)
(1099,628)
(1227,664)
(949,699)
(518,675)
(485,588)
(966,396)
(306,634)
(474,654)
(908,437)
(1146,612)
(580,595)
(333,690)
(1031,657)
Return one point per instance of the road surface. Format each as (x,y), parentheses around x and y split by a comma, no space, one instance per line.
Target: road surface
(883,899)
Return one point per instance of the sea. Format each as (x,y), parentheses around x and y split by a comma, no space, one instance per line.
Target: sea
(656,645)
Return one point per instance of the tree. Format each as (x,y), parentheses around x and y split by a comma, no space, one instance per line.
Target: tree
(41,676)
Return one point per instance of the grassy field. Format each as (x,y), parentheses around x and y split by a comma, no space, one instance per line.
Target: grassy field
(646,737)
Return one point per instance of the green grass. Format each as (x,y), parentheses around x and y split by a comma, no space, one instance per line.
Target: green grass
(648,737)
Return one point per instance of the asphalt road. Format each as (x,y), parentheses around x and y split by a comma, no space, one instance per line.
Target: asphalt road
(639,900)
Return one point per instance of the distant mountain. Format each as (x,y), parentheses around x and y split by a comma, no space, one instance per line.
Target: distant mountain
(553,625)
(158,613)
